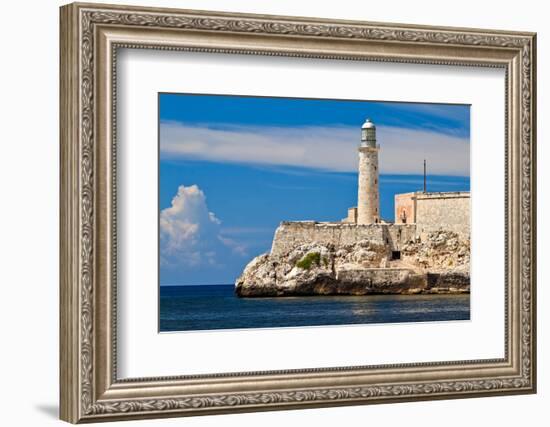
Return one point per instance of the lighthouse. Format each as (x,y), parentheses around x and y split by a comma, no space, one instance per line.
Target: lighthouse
(368,199)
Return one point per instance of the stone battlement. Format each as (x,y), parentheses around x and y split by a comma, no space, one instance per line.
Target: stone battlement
(437,194)
(294,233)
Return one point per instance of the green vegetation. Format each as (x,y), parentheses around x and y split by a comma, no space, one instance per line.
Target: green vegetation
(308,260)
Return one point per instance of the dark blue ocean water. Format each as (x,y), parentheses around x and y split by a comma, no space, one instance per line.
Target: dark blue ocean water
(190,308)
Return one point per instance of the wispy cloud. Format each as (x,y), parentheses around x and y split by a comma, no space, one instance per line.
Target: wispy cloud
(435,110)
(332,148)
(292,187)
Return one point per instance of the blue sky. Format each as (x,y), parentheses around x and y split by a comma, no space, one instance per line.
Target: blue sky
(231,168)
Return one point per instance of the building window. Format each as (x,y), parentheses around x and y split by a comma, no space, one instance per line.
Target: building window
(395,255)
(403,216)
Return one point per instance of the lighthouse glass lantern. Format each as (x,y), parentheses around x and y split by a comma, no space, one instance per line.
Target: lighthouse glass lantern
(368,134)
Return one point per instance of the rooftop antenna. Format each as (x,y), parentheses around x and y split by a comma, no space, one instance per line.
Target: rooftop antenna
(424,175)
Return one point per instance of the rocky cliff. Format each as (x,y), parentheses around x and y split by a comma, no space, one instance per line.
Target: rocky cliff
(438,264)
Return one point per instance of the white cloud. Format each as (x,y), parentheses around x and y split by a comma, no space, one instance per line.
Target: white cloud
(190,235)
(331,148)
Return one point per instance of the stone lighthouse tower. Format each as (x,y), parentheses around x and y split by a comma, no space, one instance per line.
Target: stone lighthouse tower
(368,200)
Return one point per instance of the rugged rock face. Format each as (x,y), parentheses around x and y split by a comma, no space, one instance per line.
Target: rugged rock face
(440,251)
(439,264)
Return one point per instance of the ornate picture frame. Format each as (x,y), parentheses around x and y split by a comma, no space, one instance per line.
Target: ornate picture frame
(90,37)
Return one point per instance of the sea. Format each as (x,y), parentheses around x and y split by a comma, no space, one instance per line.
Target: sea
(199,308)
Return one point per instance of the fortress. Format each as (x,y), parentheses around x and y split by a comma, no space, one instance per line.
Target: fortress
(426,249)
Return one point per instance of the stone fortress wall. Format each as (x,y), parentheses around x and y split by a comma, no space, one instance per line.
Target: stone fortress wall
(431,212)
(416,215)
(289,235)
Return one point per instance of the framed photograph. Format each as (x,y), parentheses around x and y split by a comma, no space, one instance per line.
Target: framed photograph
(266,212)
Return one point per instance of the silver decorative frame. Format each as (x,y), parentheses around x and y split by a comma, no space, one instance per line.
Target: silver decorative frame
(90,36)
